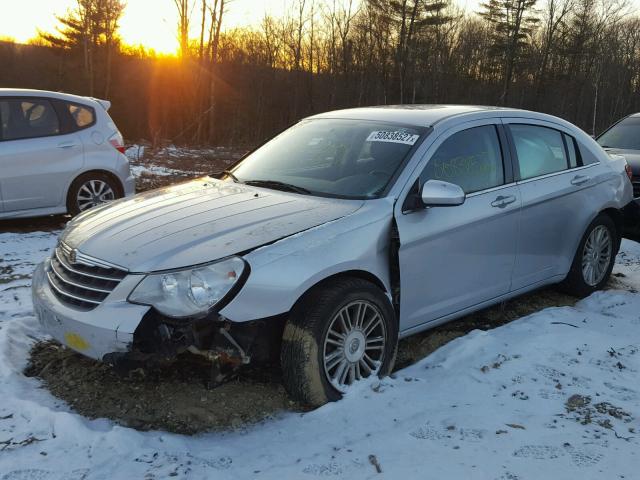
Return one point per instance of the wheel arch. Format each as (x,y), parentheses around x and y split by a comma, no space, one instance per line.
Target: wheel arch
(617,217)
(354,273)
(100,171)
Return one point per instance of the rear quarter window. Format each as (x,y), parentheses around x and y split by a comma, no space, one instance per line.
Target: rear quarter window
(575,158)
(82,116)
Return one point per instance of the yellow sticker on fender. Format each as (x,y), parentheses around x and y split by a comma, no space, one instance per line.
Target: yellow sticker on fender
(76,341)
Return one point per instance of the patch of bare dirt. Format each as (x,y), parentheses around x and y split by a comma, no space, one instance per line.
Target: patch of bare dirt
(419,346)
(168,165)
(177,399)
(41,224)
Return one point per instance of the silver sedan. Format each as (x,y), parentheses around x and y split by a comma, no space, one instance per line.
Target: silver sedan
(344,233)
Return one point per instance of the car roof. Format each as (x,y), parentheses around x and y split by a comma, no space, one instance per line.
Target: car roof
(428,115)
(27,92)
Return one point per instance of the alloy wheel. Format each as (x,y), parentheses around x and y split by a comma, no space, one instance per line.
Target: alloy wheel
(596,256)
(92,193)
(354,344)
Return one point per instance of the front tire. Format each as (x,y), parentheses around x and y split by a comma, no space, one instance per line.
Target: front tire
(339,333)
(90,190)
(594,259)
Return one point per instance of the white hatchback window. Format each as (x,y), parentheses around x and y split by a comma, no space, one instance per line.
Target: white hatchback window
(22,118)
(82,116)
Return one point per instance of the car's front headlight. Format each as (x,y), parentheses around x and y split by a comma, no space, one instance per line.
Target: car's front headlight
(190,292)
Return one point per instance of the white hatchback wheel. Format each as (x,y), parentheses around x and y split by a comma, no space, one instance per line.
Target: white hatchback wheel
(92,193)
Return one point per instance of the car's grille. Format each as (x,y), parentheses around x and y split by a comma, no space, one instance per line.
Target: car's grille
(636,186)
(81,282)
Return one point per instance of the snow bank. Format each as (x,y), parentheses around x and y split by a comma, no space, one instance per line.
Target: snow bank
(552,395)
(140,170)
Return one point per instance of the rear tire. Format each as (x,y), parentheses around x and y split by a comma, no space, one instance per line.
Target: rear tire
(313,362)
(594,259)
(91,189)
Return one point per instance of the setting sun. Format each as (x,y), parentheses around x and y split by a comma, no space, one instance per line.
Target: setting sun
(149,23)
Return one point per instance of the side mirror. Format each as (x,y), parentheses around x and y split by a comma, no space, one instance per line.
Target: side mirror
(436,193)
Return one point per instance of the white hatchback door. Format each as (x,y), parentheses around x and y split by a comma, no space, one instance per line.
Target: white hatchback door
(37,158)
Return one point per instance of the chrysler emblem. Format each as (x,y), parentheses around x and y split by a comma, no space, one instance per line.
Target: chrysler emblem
(73,256)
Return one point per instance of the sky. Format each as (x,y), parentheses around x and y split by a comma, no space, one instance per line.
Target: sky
(151,23)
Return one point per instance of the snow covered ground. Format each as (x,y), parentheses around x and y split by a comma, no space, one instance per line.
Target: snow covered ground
(552,395)
(154,168)
(157,170)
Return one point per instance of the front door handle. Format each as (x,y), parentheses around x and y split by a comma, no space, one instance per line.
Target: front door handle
(503,201)
(580,180)
(67,145)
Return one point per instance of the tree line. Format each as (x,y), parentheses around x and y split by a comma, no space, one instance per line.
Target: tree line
(577,59)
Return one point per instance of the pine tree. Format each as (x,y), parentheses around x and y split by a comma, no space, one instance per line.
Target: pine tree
(411,18)
(90,29)
(513,22)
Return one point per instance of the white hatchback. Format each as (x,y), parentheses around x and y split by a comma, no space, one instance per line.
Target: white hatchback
(59,153)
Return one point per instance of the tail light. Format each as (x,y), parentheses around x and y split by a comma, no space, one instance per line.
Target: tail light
(117,142)
(627,168)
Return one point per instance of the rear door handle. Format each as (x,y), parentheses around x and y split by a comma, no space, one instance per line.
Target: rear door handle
(503,201)
(67,145)
(580,180)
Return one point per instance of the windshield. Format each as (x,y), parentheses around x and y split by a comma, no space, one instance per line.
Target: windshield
(331,157)
(625,135)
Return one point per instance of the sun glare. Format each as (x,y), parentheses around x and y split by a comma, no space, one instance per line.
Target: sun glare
(147,23)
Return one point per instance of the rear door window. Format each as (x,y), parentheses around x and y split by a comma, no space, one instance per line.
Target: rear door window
(28,118)
(540,150)
(471,159)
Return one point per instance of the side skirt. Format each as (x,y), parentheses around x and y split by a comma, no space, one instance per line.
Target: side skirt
(461,313)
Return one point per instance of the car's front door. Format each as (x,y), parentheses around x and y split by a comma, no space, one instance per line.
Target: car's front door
(452,258)
(37,158)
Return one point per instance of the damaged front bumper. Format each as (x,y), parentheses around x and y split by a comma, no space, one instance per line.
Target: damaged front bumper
(127,335)
(159,340)
(106,329)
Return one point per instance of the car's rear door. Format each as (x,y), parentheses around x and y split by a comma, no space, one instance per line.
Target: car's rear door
(37,157)
(452,258)
(555,186)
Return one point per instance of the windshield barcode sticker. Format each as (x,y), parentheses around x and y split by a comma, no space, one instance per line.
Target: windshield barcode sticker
(393,137)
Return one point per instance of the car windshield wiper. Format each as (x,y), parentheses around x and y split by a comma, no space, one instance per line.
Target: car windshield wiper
(275,184)
(228,173)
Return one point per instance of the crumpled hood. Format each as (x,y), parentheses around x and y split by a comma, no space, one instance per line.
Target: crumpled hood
(632,157)
(196,222)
